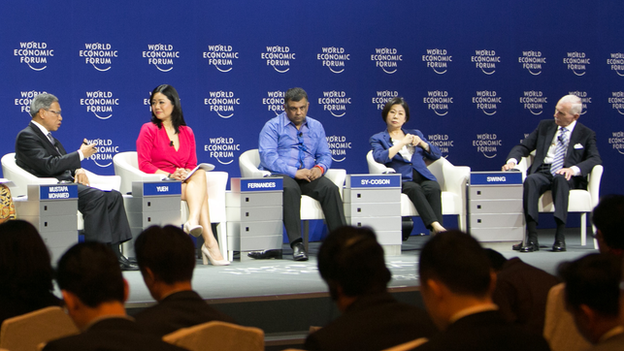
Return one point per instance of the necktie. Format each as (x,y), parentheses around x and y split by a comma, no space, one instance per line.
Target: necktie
(53,141)
(562,146)
(302,149)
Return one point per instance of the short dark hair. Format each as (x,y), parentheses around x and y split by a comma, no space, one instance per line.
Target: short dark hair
(25,269)
(392,102)
(458,261)
(177,117)
(497,260)
(295,94)
(353,259)
(168,252)
(608,217)
(593,280)
(90,270)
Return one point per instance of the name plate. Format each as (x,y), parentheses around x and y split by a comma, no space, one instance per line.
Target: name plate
(373,181)
(58,192)
(495,178)
(264,184)
(162,188)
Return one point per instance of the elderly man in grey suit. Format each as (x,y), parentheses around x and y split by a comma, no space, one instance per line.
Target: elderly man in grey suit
(565,153)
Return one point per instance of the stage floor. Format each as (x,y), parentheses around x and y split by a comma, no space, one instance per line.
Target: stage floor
(265,280)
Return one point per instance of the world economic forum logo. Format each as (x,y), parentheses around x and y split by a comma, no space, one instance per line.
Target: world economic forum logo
(334,58)
(274,101)
(487,144)
(616,61)
(106,150)
(486,60)
(617,101)
(222,102)
(100,56)
(532,61)
(278,57)
(487,101)
(34,54)
(438,101)
(577,62)
(162,56)
(387,59)
(222,57)
(335,102)
(437,60)
(534,100)
(338,146)
(222,149)
(100,103)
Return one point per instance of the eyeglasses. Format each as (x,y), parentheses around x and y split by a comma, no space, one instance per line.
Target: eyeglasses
(58,113)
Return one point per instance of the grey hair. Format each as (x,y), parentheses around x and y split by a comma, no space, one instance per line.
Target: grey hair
(41,101)
(576,105)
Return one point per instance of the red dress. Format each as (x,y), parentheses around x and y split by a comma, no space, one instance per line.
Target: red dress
(155,152)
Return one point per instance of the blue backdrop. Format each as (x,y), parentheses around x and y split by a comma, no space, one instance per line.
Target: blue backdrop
(478,75)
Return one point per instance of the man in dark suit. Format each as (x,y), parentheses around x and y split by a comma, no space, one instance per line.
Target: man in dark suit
(521,291)
(166,257)
(39,153)
(351,262)
(565,153)
(94,292)
(592,296)
(456,286)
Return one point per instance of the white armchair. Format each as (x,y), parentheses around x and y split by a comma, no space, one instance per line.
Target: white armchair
(452,180)
(22,178)
(580,200)
(310,208)
(127,166)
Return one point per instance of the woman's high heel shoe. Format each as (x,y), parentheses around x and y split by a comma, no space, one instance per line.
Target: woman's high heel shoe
(194,230)
(206,257)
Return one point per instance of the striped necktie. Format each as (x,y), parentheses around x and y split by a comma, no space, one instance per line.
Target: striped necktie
(562,146)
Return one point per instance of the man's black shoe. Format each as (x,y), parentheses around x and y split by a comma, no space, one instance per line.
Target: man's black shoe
(299,253)
(126,265)
(559,246)
(517,246)
(265,254)
(530,247)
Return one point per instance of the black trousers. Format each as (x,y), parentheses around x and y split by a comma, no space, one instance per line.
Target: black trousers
(323,190)
(537,184)
(425,195)
(104,215)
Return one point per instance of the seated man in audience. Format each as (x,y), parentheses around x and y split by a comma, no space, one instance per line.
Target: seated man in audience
(94,291)
(521,291)
(351,262)
(559,328)
(592,296)
(166,258)
(456,285)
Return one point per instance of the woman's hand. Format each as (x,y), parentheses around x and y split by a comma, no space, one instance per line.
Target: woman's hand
(179,174)
(408,139)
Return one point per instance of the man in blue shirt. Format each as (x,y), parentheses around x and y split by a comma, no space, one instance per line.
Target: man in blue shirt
(293,146)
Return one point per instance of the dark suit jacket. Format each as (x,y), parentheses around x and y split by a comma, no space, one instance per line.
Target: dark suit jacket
(521,293)
(179,310)
(485,331)
(582,151)
(112,334)
(374,322)
(35,153)
(381,142)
